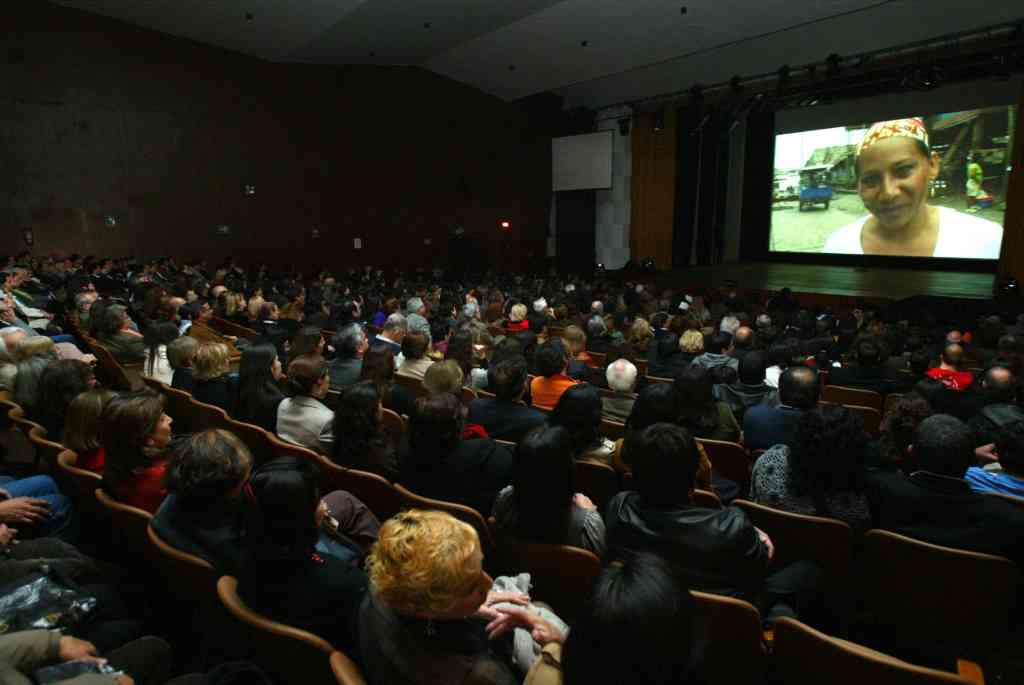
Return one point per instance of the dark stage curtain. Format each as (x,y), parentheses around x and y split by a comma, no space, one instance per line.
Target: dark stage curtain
(701,187)
(575,214)
(758,175)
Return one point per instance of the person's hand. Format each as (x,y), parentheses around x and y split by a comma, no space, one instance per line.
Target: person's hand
(89,358)
(487,610)
(124,679)
(24,510)
(766,541)
(4,495)
(73,649)
(582,501)
(986,452)
(7,535)
(232,338)
(322,512)
(541,631)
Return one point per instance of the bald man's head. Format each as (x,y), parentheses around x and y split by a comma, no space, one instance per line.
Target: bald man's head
(953,355)
(999,384)
(743,338)
(798,387)
(954,338)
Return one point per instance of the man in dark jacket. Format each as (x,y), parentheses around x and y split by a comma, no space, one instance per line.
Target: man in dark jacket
(867,373)
(750,390)
(504,416)
(993,406)
(714,550)
(718,353)
(764,426)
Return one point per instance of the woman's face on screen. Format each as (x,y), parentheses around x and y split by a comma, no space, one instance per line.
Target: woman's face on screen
(893,180)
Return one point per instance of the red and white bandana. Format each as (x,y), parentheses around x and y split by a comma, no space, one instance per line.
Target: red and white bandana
(897,128)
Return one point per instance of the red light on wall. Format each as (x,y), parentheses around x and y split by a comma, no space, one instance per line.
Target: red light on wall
(505,224)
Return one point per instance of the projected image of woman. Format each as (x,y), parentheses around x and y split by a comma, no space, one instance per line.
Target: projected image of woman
(895,166)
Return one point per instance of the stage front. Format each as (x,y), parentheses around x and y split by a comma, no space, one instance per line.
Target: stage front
(845,281)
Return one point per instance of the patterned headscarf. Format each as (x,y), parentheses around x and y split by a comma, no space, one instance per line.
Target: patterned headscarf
(897,128)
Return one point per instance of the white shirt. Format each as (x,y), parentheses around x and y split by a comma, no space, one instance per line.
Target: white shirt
(962,236)
(162,370)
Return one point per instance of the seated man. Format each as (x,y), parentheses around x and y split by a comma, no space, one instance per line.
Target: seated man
(764,425)
(621,375)
(935,504)
(750,389)
(713,550)
(867,373)
(551,360)
(743,342)
(415,361)
(996,405)
(948,370)
(1007,476)
(350,344)
(718,352)
(504,416)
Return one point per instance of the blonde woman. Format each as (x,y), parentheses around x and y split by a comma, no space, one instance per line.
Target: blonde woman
(691,344)
(576,341)
(639,336)
(421,622)
(517,318)
(211,381)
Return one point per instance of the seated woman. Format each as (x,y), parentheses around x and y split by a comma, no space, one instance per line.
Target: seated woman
(517,318)
(418,624)
(33,355)
(302,418)
(576,341)
(157,337)
(117,334)
(379,368)
(691,345)
(359,441)
(135,434)
(442,465)
(258,392)
(415,361)
(699,413)
(444,376)
(286,576)
(821,473)
(202,513)
(181,353)
(212,380)
(60,383)
(461,349)
(640,336)
(542,505)
(579,411)
(662,644)
(81,428)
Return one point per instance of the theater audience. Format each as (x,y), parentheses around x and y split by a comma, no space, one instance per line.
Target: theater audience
(764,426)
(419,623)
(442,465)
(867,372)
(259,395)
(61,382)
(309,340)
(302,417)
(995,405)
(542,504)
(718,352)
(743,342)
(821,473)
(415,361)
(461,350)
(897,430)
(379,368)
(1006,476)
(517,318)
(691,346)
(750,389)
(622,376)
(181,353)
(443,377)
(505,416)
(115,332)
(712,550)
(576,343)
(157,337)
(640,336)
(288,574)
(949,369)
(551,362)
(359,440)
(579,412)
(598,337)
(82,426)
(391,336)
(34,354)
(212,380)
(203,513)
(935,504)
(699,413)
(415,313)
(135,434)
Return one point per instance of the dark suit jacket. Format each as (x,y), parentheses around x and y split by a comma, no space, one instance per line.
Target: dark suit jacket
(764,426)
(945,511)
(472,474)
(221,391)
(125,348)
(504,420)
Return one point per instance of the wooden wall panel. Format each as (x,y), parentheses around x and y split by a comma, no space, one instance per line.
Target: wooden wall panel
(1011,258)
(653,191)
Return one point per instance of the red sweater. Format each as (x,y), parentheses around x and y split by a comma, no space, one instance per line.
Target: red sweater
(146,490)
(954,380)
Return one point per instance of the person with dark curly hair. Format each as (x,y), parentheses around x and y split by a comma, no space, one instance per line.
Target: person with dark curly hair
(359,441)
(897,431)
(699,413)
(821,473)
(579,412)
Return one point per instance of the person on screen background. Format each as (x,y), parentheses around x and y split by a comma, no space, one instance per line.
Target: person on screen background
(975,176)
(895,166)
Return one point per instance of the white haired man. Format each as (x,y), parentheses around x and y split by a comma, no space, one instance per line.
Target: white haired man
(621,375)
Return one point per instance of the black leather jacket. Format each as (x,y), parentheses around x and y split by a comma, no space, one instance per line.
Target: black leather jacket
(715,550)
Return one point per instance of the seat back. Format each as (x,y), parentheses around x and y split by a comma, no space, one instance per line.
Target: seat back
(184,573)
(890,401)
(838,394)
(613,430)
(345,670)
(936,595)
(129,526)
(412,384)
(598,358)
(203,416)
(705,498)
(23,431)
(46,450)
(225,327)
(255,438)
(597,481)
(826,541)
(393,424)
(83,483)
(331,399)
(468,395)
(736,649)
(560,575)
(411,500)
(289,654)
(110,370)
(729,460)
(801,654)
(374,491)
(658,379)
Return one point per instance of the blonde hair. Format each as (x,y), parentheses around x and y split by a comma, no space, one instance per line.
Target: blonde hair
(640,333)
(518,312)
(575,339)
(692,342)
(33,345)
(443,376)
(82,421)
(212,360)
(419,565)
(255,304)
